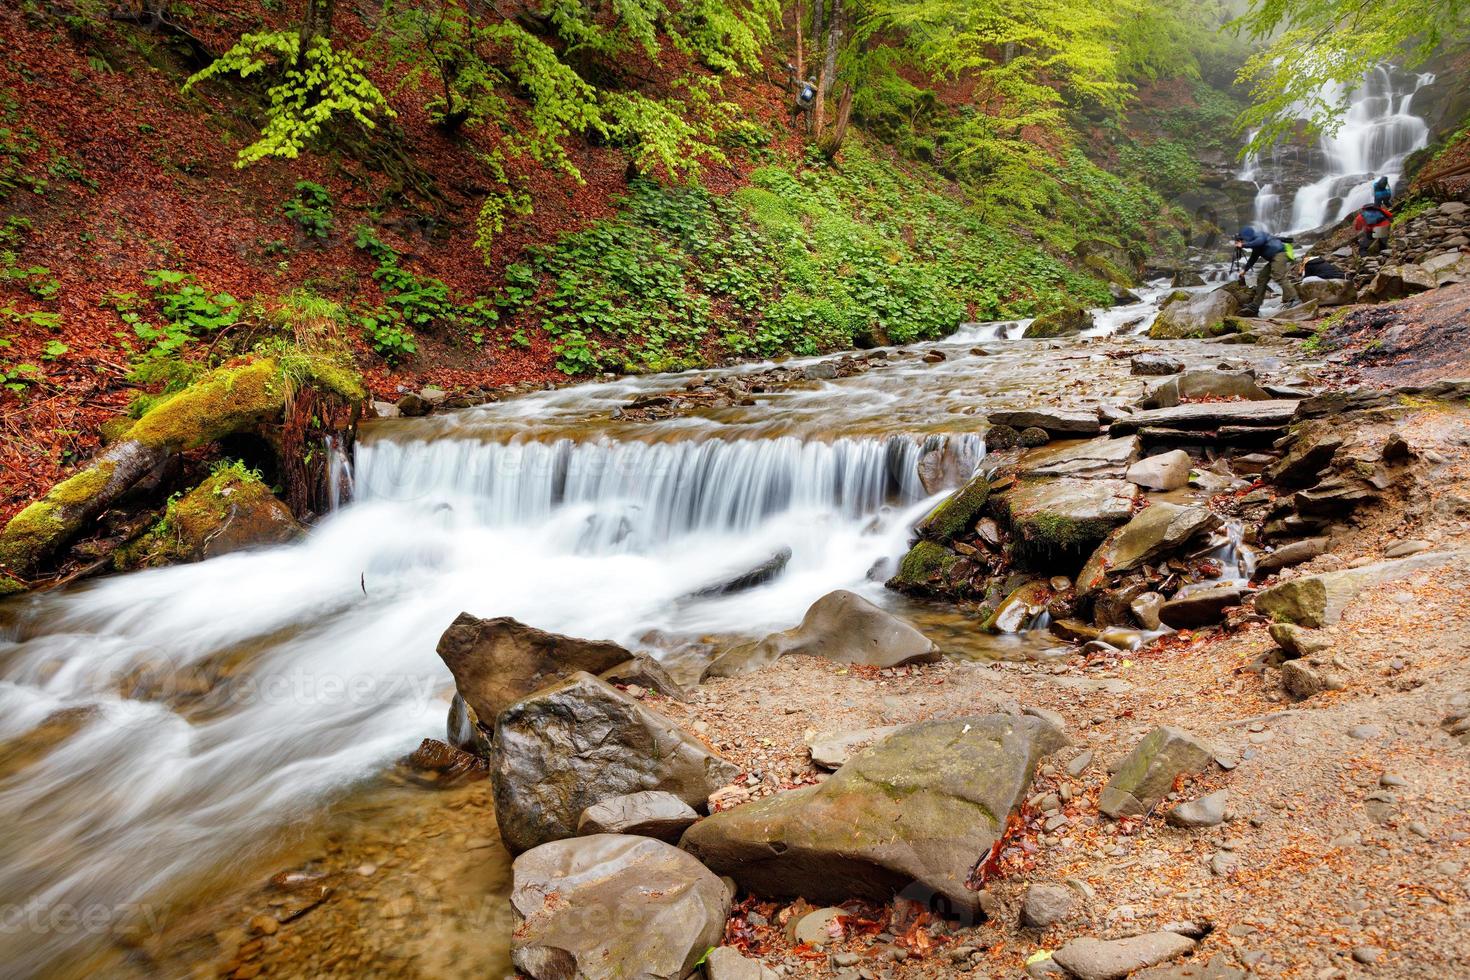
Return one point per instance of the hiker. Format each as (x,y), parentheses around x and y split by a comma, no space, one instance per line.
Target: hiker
(1316,267)
(1278,255)
(1372,225)
(1382,193)
(806,95)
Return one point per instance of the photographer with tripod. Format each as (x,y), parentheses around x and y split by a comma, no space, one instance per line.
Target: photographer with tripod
(1278,255)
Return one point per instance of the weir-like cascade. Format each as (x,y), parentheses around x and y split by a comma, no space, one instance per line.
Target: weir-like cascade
(162,730)
(1377,135)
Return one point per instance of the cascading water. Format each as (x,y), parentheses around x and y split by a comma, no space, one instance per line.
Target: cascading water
(162,729)
(1377,134)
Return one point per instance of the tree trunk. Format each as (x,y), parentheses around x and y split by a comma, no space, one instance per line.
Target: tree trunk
(316,22)
(833,143)
(828,71)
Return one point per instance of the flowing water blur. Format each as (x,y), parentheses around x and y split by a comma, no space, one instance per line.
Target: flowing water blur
(166,729)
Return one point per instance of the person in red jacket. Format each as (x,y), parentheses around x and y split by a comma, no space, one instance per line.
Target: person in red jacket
(1372,225)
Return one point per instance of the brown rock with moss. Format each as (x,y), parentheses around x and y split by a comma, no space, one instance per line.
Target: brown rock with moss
(911,815)
(958,512)
(230,511)
(1064,518)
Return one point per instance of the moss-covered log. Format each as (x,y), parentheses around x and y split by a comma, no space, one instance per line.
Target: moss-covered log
(224,402)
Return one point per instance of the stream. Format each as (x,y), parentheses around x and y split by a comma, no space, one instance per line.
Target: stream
(163,733)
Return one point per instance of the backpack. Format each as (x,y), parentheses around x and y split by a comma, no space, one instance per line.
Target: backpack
(1290,247)
(1374,215)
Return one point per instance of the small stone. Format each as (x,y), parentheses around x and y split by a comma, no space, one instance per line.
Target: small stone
(817,928)
(1364,732)
(1207,811)
(1392,781)
(1046,905)
(1367,955)
(1224,863)
(264,925)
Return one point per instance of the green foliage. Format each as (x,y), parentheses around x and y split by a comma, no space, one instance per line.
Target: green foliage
(1167,165)
(35,279)
(314,87)
(1317,51)
(311,208)
(388,336)
(186,303)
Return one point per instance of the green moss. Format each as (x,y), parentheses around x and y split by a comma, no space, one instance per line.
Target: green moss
(331,371)
(83,486)
(927,564)
(10,586)
(1055,530)
(956,514)
(222,402)
(1108,270)
(191,520)
(29,534)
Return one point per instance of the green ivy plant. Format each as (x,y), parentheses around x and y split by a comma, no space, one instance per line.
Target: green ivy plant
(311,208)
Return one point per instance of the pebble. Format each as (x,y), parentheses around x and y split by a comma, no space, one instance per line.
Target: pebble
(1367,955)
(1223,863)
(1364,731)
(1390,780)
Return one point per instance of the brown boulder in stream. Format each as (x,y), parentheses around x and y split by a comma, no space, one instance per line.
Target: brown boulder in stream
(579,742)
(496,662)
(912,814)
(840,626)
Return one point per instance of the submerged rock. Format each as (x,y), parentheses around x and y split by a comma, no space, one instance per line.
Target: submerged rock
(915,811)
(1148,774)
(840,626)
(610,907)
(767,571)
(496,662)
(581,741)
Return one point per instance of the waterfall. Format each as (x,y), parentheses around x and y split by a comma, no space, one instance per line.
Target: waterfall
(1377,134)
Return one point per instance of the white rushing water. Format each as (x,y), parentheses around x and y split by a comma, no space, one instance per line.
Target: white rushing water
(1377,135)
(160,726)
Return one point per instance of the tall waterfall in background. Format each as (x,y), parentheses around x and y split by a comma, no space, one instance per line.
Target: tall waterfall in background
(1378,133)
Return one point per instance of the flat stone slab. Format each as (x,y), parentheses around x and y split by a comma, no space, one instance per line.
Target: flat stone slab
(832,751)
(652,813)
(1102,457)
(1273,412)
(1104,959)
(1318,600)
(1066,514)
(1056,421)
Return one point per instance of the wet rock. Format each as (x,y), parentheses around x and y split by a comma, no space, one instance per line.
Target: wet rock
(726,963)
(1204,607)
(1100,457)
(1067,322)
(1298,641)
(1204,384)
(1289,555)
(1397,281)
(999,438)
(1186,279)
(767,571)
(1146,608)
(1155,532)
(941,467)
(1064,516)
(1057,422)
(1046,905)
(1164,472)
(608,907)
(648,814)
(1032,437)
(1149,771)
(581,741)
(832,751)
(1207,811)
(1019,608)
(385,410)
(931,569)
(841,626)
(1100,959)
(957,513)
(1318,600)
(823,371)
(645,672)
(1207,416)
(1154,365)
(909,814)
(1194,316)
(496,662)
(412,406)
(464,731)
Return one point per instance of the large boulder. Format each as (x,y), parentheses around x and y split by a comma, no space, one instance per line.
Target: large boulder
(1147,775)
(579,742)
(1397,281)
(840,626)
(232,510)
(1067,516)
(1201,384)
(1198,316)
(1318,600)
(1067,322)
(610,907)
(1156,532)
(912,814)
(1328,292)
(496,662)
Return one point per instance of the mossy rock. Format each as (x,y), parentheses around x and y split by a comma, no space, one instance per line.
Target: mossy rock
(925,570)
(32,531)
(230,511)
(10,586)
(957,513)
(1066,322)
(1062,520)
(1108,270)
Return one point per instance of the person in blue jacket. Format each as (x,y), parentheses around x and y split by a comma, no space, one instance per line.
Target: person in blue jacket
(1382,193)
(1278,256)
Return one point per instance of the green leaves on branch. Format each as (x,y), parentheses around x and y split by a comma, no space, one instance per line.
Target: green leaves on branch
(1318,51)
(316,86)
